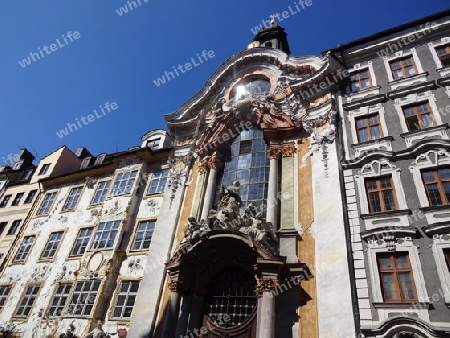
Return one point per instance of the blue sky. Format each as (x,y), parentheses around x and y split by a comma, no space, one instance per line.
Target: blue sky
(117,58)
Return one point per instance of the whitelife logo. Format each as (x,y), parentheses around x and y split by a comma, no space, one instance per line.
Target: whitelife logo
(71,127)
(187,66)
(53,48)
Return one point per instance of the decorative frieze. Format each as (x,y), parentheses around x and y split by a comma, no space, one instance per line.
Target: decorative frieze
(265,285)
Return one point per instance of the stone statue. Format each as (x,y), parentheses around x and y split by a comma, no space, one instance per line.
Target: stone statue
(195,231)
(98,332)
(69,332)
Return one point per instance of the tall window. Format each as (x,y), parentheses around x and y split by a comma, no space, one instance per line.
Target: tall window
(402,68)
(159,181)
(26,175)
(123,183)
(17,199)
(368,128)
(46,203)
(30,197)
(437,185)
(72,200)
(3,226)
(396,277)
(44,169)
(59,300)
(27,301)
(4,292)
(249,165)
(143,236)
(5,201)
(418,116)
(360,80)
(52,245)
(83,237)
(100,194)
(14,227)
(381,194)
(24,249)
(105,235)
(125,299)
(83,298)
(443,53)
(447,257)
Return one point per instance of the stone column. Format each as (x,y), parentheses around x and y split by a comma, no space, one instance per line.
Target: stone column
(266,312)
(173,309)
(184,316)
(195,320)
(272,191)
(213,164)
(287,233)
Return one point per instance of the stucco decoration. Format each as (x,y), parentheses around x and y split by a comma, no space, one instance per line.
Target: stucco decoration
(36,225)
(153,205)
(98,332)
(178,173)
(90,182)
(95,265)
(69,333)
(40,273)
(228,218)
(114,209)
(135,265)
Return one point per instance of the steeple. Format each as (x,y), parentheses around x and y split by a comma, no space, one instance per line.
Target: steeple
(272,37)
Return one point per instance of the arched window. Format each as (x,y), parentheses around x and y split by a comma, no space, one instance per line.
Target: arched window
(249,165)
(230,292)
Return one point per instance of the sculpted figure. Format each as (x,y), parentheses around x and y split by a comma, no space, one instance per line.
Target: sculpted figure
(98,332)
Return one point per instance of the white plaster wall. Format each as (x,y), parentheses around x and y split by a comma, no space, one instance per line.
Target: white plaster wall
(334,302)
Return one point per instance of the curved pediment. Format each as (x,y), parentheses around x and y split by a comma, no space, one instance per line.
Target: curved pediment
(287,75)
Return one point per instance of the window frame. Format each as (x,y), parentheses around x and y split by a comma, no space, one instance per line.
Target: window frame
(368,126)
(49,207)
(28,248)
(165,173)
(49,242)
(4,297)
(380,190)
(92,246)
(44,169)
(403,67)
(14,225)
(128,188)
(118,293)
(86,246)
(60,296)
(16,201)
(22,297)
(70,199)
(396,271)
(359,79)
(447,55)
(5,200)
(104,192)
(80,293)
(418,115)
(136,231)
(31,194)
(3,226)
(439,182)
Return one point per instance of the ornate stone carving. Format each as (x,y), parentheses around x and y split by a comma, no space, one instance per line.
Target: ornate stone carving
(288,150)
(203,167)
(273,153)
(135,265)
(90,182)
(228,218)
(70,332)
(176,285)
(98,332)
(265,285)
(153,205)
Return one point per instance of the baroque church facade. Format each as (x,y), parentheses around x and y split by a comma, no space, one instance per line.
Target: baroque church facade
(292,197)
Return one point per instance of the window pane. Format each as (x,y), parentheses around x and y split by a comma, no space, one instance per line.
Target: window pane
(406,286)
(375,131)
(374,200)
(389,202)
(433,194)
(387,281)
(363,135)
(385,263)
(428,176)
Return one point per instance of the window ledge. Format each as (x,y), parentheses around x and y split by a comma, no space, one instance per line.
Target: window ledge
(386,214)
(408,81)
(437,228)
(443,71)
(351,96)
(436,132)
(414,305)
(435,208)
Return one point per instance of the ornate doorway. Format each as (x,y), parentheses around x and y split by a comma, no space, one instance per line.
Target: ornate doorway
(230,305)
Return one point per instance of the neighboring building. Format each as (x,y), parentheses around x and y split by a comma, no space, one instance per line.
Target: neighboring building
(83,248)
(395,115)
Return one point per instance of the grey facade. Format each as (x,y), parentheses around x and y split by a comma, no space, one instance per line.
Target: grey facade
(394,112)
